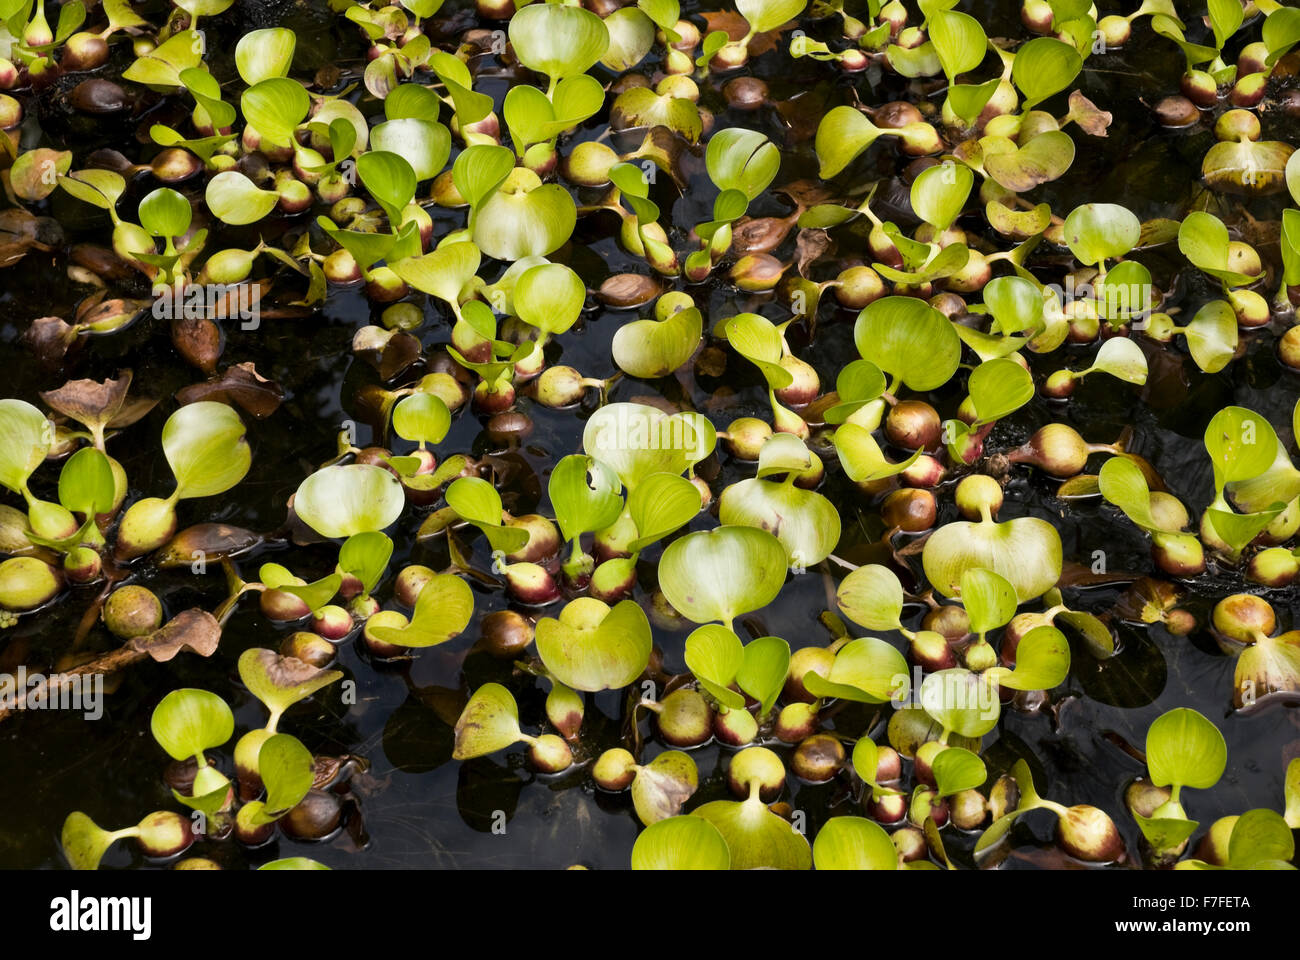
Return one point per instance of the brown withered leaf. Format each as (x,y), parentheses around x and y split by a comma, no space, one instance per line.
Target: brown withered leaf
(214,541)
(91,403)
(241,385)
(811,246)
(198,340)
(1091,119)
(288,673)
(49,337)
(195,630)
(806,193)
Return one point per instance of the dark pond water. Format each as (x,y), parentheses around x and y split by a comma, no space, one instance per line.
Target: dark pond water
(418,808)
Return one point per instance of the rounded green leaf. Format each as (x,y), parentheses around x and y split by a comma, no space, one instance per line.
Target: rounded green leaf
(263,54)
(236,200)
(715,655)
(940,192)
(425,144)
(648,349)
(990,600)
(866,670)
(187,722)
(442,611)
(1044,66)
(28,435)
(661,504)
(957,769)
(765,15)
(961,701)
(999,387)
(205,446)
(1095,232)
(422,417)
(757,838)
(538,222)
(585,494)
(806,523)
(1042,661)
(86,483)
(854,843)
(557,40)
(723,573)
(593,646)
(1123,359)
(341,500)
(275,106)
(489,722)
(681,843)
(763,672)
(288,770)
(1184,749)
(872,597)
(636,440)
(549,297)
(1025,550)
(908,339)
(165,213)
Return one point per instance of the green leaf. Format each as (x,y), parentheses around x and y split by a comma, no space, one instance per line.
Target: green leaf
(908,339)
(866,670)
(275,107)
(1042,661)
(715,655)
(264,54)
(757,838)
(342,500)
(442,611)
(763,672)
(1184,749)
(422,417)
(86,483)
(842,135)
(365,556)
(594,647)
(1044,66)
(585,494)
(940,192)
(489,722)
(959,42)
(648,349)
(1203,239)
(853,843)
(28,435)
(1260,839)
(549,297)
(165,213)
(443,272)
(205,446)
(720,574)
(425,144)
(956,770)
(1024,550)
(390,180)
(990,600)
(236,200)
(681,843)
(661,504)
(759,341)
(998,388)
(288,770)
(187,722)
(559,41)
(1121,358)
(960,701)
(1241,444)
(1095,232)
(872,597)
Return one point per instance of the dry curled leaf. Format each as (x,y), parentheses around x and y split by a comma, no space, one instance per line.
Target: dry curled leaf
(239,385)
(195,630)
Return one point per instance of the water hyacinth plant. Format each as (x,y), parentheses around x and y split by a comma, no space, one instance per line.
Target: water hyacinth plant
(751,435)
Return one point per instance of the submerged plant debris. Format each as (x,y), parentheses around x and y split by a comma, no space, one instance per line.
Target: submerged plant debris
(845,434)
